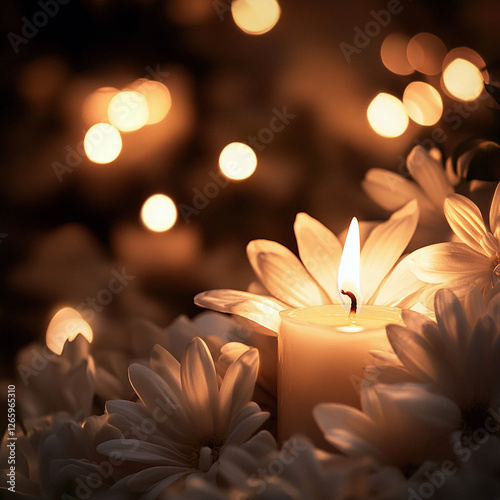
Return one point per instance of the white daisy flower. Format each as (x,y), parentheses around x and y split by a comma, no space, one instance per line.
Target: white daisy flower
(311,281)
(452,357)
(430,188)
(186,416)
(400,425)
(473,259)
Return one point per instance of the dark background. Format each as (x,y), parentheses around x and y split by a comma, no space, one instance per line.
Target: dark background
(65,238)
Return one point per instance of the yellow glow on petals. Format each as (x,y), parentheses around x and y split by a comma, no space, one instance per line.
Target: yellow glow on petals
(425,53)
(66,324)
(128,111)
(102,143)
(157,97)
(387,115)
(255,17)
(463,80)
(159,213)
(393,54)
(95,106)
(423,103)
(237,161)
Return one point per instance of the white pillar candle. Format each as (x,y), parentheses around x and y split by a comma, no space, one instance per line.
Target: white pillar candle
(321,355)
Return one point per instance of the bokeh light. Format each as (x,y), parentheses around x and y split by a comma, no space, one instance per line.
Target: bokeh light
(102,143)
(95,106)
(237,161)
(157,96)
(393,54)
(66,324)
(425,53)
(159,213)
(463,80)
(255,17)
(423,103)
(128,111)
(387,115)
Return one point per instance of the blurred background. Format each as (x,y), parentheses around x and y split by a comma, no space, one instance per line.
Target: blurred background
(106,103)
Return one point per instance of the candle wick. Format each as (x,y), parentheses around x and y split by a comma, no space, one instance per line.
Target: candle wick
(354,303)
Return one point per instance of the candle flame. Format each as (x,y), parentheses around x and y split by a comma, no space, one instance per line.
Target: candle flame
(348,277)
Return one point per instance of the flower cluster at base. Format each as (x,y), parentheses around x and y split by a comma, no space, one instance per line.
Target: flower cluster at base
(189,412)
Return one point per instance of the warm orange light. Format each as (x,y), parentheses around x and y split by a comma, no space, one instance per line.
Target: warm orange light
(255,17)
(65,325)
(102,143)
(128,111)
(349,275)
(463,80)
(157,97)
(423,103)
(95,106)
(393,54)
(425,53)
(159,213)
(387,115)
(237,161)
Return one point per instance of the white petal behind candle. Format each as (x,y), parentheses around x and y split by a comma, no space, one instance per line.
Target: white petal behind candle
(321,355)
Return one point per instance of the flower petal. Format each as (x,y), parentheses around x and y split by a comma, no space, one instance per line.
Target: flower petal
(320,251)
(263,310)
(237,386)
(392,191)
(282,273)
(465,218)
(137,451)
(430,175)
(348,429)
(168,368)
(384,246)
(444,262)
(199,381)
(452,321)
(495,213)
(401,287)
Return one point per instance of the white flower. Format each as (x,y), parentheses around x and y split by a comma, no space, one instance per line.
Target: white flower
(185,418)
(290,282)
(401,425)
(51,383)
(58,458)
(431,187)
(474,259)
(452,357)
(297,471)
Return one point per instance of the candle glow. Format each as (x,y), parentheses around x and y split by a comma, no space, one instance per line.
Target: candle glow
(65,325)
(349,276)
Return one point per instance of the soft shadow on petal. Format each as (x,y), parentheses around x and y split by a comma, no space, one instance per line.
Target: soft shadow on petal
(444,262)
(282,273)
(320,252)
(201,389)
(429,174)
(263,310)
(237,386)
(391,191)
(466,220)
(384,247)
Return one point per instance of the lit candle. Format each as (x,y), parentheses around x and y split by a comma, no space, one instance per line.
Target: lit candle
(322,350)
